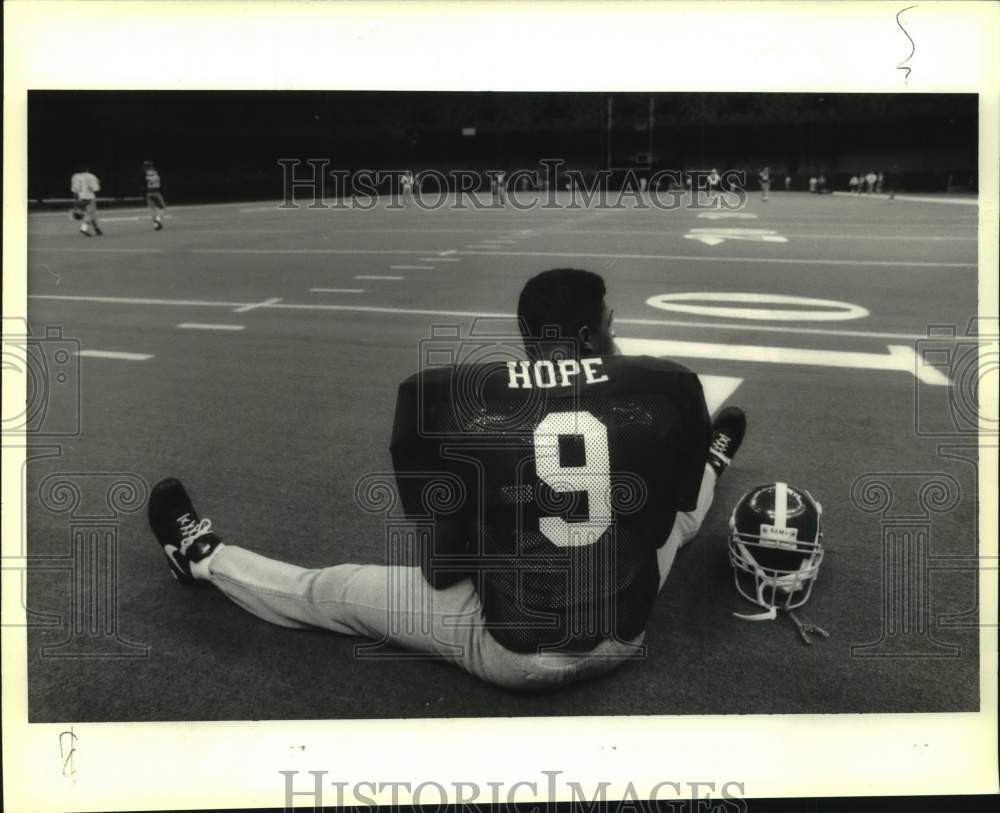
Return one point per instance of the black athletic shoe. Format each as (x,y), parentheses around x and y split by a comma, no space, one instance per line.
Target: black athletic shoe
(183,536)
(157,225)
(98,231)
(727,435)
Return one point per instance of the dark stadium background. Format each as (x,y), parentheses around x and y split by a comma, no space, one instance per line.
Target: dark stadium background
(223,146)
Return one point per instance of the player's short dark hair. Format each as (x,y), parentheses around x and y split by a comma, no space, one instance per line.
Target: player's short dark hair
(147,164)
(562,298)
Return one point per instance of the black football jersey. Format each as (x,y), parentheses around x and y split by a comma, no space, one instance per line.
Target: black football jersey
(563,477)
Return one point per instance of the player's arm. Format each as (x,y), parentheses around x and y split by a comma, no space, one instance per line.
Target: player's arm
(419,471)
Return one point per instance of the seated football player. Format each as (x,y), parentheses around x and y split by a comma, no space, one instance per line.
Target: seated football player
(552,494)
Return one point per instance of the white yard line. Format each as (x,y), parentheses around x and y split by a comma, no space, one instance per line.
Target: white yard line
(678,323)
(254,305)
(587,255)
(440,260)
(97,250)
(208,326)
(376,276)
(914,198)
(114,354)
(411,267)
(337,290)
(900,358)
(896,238)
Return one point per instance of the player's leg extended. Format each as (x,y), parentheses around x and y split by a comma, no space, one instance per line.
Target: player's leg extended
(394,605)
(728,430)
(91,216)
(687,524)
(156,206)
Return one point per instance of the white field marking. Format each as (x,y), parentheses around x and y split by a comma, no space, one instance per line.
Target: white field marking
(113,354)
(712,237)
(835,311)
(900,358)
(482,246)
(579,254)
(446,253)
(98,249)
(863,334)
(718,389)
(375,276)
(702,258)
(120,300)
(210,230)
(173,206)
(411,267)
(254,305)
(728,216)
(440,260)
(893,237)
(337,290)
(208,326)
(915,198)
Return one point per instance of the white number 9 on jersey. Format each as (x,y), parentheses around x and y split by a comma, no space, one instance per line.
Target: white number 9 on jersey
(593,476)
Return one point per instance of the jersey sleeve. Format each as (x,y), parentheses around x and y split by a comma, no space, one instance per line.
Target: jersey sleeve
(414,455)
(421,470)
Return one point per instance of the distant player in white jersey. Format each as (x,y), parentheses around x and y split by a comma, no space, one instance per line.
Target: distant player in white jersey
(154,194)
(406,186)
(85,186)
(498,186)
(764,176)
(713,182)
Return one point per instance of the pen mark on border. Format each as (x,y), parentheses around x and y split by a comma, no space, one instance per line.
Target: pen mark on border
(902,66)
(67,753)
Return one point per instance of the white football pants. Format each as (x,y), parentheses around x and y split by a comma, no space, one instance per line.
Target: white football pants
(396,606)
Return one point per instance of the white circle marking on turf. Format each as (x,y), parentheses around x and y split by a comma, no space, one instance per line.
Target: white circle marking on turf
(834,311)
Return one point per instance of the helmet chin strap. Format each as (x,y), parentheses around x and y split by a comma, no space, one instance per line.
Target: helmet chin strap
(769,615)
